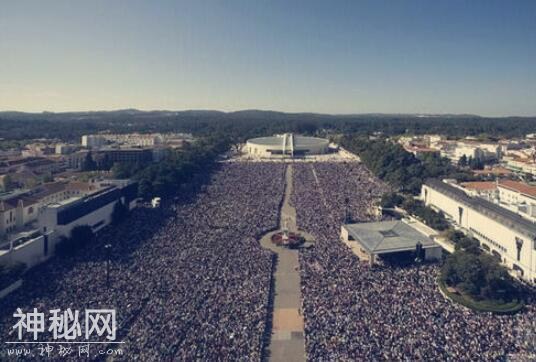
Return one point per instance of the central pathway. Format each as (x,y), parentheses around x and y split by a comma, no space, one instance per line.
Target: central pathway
(287,339)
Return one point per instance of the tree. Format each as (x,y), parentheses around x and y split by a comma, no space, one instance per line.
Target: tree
(478,274)
(145,189)
(306,128)
(121,170)
(462,162)
(48,177)
(391,199)
(9,274)
(8,183)
(89,163)
(64,247)
(499,284)
(105,163)
(166,177)
(468,244)
(393,164)
(454,235)
(430,217)
(465,271)
(475,163)
(81,235)
(119,212)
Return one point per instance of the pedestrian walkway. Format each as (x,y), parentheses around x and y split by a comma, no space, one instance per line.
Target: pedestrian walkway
(287,339)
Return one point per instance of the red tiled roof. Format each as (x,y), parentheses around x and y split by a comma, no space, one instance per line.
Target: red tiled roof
(520,187)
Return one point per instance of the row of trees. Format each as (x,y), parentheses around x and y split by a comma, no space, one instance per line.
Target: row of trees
(474,163)
(180,167)
(157,179)
(164,178)
(105,164)
(434,219)
(401,169)
(414,207)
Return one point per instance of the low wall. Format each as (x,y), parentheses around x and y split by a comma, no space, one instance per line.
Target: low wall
(30,253)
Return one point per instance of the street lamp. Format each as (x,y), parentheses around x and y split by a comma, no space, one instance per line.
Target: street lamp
(107,247)
(347,219)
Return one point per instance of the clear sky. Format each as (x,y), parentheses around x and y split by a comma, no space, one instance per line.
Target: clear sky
(328,56)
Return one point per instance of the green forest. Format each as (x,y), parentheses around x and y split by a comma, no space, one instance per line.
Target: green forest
(399,168)
(16,126)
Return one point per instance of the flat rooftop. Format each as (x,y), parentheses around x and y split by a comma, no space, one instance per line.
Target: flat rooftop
(61,203)
(299,141)
(504,216)
(480,185)
(388,236)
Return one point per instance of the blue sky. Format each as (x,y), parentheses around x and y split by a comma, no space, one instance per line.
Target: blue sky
(320,56)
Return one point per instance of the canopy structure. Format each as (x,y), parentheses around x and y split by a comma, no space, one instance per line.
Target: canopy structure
(368,240)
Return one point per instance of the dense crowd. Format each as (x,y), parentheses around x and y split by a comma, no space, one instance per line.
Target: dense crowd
(355,312)
(189,282)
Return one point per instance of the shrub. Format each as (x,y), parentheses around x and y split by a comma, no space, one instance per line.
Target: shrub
(80,236)
(119,212)
(478,274)
(10,274)
(391,199)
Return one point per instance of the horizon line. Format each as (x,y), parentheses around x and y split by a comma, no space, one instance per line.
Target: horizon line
(141,110)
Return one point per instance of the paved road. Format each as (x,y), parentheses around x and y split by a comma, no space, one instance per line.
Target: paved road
(287,339)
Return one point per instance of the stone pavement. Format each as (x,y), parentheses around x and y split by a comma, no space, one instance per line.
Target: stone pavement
(287,340)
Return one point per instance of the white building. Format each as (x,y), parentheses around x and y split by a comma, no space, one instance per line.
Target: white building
(519,196)
(454,150)
(505,234)
(477,151)
(521,165)
(37,150)
(135,139)
(59,218)
(30,250)
(433,139)
(62,217)
(286,145)
(94,210)
(516,196)
(65,149)
(93,141)
(19,209)
(75,160)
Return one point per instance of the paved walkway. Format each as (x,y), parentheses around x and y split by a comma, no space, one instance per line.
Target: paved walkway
(287,340)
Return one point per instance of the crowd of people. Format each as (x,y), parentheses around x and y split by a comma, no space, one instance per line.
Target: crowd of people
(356,312)
(191,282)
(188,282)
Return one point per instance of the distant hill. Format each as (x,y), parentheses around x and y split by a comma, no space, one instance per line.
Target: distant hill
(253,113)
(252,122)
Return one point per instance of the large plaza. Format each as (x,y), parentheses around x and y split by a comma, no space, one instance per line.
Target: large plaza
(193,281)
